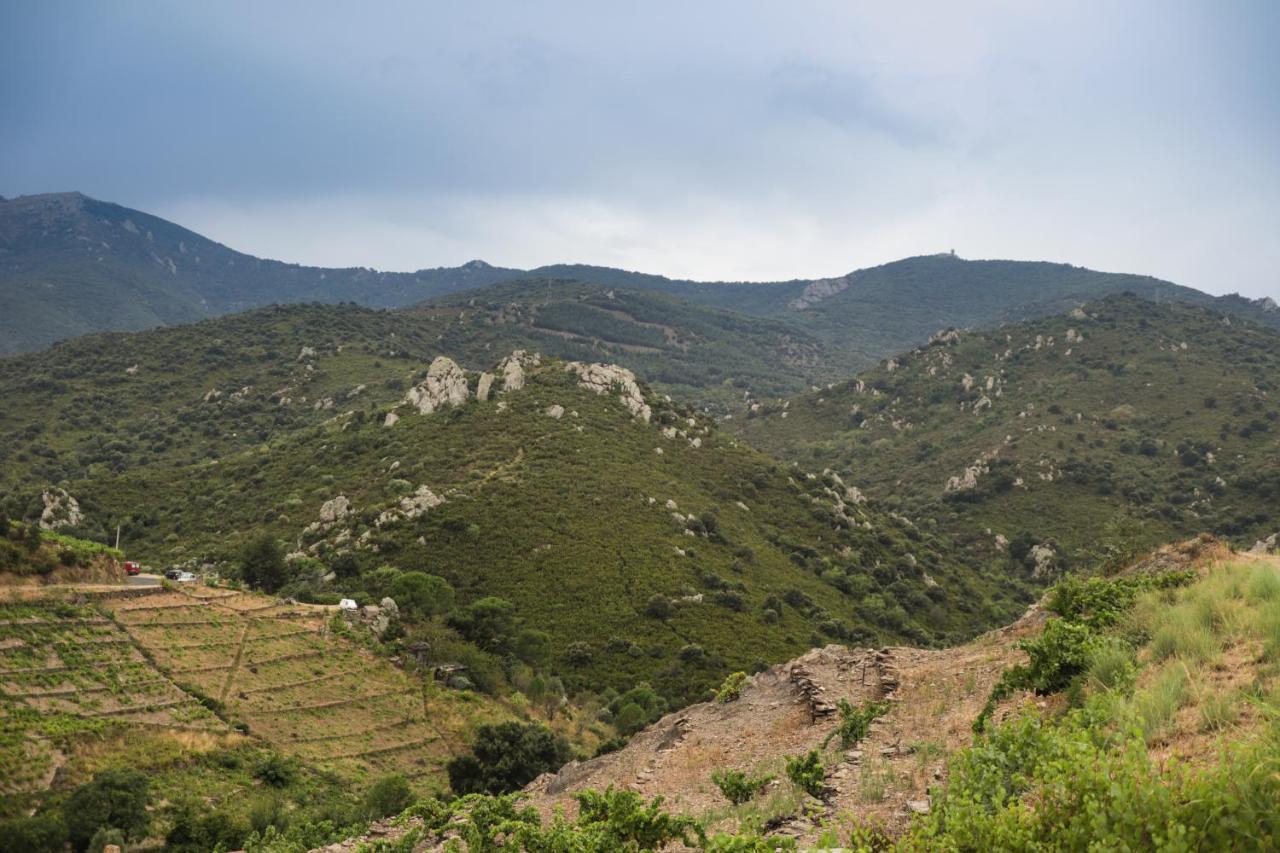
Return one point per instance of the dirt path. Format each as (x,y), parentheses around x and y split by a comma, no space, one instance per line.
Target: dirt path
(235,664)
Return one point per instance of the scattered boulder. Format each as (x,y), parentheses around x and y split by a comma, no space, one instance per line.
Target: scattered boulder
(555,411)
(511,369)
(445,385)
(603,378)
(60,510)
(391,419)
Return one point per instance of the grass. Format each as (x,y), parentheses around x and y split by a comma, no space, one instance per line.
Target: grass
(1157,704)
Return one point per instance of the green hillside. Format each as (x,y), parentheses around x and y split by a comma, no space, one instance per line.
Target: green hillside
(1122,424)
(70,265)
(252,423)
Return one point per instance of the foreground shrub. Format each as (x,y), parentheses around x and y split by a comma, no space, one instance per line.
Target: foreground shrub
(807,773)
(737,786)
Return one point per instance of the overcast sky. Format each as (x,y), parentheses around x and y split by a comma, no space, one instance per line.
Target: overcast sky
(714,140)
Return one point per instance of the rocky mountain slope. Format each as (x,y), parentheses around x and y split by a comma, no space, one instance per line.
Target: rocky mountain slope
(71,265)
(1132,717)
(1110,428)
(569,489)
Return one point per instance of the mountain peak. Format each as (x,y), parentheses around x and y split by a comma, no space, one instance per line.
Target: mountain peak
(477,264)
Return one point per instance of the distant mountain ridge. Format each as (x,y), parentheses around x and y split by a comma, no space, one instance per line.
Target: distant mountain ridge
(70,265)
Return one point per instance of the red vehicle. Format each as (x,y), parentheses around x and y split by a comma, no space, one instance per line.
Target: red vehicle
(132,568)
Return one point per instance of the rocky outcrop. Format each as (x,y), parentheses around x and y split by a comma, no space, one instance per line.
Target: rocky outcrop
(1265,546)
(603,378)
(332,512)
(817,291)
(483,386)
(1045,559)
(445,385)
(511,369)
(411,507)
(60,510)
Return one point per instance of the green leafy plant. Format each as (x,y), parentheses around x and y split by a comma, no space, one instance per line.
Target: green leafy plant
(855,721)
(731,689)
(738,787)
(807,772)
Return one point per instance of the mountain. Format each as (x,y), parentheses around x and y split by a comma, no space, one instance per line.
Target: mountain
(70,265)
(556,498)
(1124,422)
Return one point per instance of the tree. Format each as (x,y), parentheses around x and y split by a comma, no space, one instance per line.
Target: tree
(488,622)
(345,565)
(506,757)
(532,647)
(389,796)
(116,799)
(262,563)
(43,833)
(422,595)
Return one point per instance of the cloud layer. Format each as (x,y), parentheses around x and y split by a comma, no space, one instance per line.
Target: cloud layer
(718,140)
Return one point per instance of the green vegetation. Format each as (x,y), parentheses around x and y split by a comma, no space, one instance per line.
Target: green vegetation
(1078,440)
(544,527)
(807,773)
(731,689)
(505,758)
(854,722)
(737,786)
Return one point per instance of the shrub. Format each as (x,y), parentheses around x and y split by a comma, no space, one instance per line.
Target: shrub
(43,833)
(420,595)
(731,689)
(854,722)
(533,647)
(389,796)
(506,757)
(275,771)
(807,773)
(625,822)
(115,798)
(737,786)
(659,607)
(488,622)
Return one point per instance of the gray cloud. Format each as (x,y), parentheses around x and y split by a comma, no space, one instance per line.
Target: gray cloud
(717,140)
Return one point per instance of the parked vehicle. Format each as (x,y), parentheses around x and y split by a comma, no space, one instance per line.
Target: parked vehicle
(132,568)
(348,604)
(185,577)
(172,574)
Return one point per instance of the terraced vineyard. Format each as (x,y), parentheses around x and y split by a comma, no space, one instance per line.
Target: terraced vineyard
(280,672)
(66,669)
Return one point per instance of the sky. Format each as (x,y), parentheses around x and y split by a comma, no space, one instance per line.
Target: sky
(733,140)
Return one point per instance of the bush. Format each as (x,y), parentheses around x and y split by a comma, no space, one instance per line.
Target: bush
(659,607)
(737,786)
(44,833)
(506,757)
(731,689)
(389,796)
(276,771)
(807,773)
(854,722)
(262,563)
(115,798)
(104,836)
(488,622)
(420,595)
